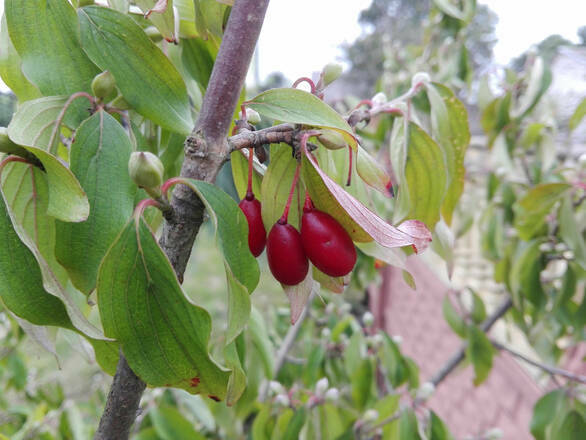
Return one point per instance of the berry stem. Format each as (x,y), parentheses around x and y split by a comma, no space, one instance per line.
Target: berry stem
(308,204)
(350,166)
(285,216)
(308,81)
(249,193)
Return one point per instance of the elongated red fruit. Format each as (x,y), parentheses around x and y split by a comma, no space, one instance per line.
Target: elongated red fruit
(287,260)
(257,234)
(326,243)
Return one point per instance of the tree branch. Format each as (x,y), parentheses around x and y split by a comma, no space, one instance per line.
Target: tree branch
(458,357)
(554,371)
(205,151)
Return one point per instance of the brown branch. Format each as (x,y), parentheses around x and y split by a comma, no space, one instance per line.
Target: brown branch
(271,135)
(554,371)
(205,151)
(458,357)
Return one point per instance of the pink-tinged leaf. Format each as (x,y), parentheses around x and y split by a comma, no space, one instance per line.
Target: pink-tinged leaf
(298,295)
(361,223)
(160,7)
(372,173)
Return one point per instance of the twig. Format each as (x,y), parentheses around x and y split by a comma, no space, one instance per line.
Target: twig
(288,342)
(554,371)
(458,357)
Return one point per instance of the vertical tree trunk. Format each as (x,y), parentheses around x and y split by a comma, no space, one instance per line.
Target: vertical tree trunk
(205,152)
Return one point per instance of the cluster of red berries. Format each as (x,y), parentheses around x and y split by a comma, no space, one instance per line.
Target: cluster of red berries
(322,240)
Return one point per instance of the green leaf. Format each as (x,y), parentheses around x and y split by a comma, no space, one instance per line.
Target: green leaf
(260,338)
(572,428)
(578,115)
(408,426)
(438,429)
(241,267)
(237,382)
(450,127)
(295,425)
(21,280)
(453,318)
(538,82)
(361,381)
(209,18)
(171,425)
(99,159)
(299,107)
(10,68)
(479,352)
(197,60)
(531,210)
(46,36)
(393,361)
(49,278)
(261,427)
(26,190)
(119,5)
(164,22)
(478,312)
(544,412)
(117,44)
(67,200)
(449,8)
(409,280)
(33,124)
(524,278)
(164,337)
(571,232)
(424,187)
(275,188)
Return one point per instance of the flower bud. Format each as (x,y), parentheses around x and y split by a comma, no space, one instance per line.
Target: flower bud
(582,159)
(370,415)
(568,255)
(345,308)
(326,333)
(103,84)
(420,77)
(332,395)
(397,339)
(368,319)
(252,116)
(561,247)
(425,391)
(494,434)
(321,386)
(282,400)
(276,388)
(146,170)
(331,72)
(545,247)
(379,99)
(332,140)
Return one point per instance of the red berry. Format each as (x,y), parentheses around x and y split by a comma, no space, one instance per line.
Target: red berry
(326,243)
(287,260)
(257,235)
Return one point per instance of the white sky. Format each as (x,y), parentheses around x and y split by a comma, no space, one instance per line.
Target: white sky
(301,36)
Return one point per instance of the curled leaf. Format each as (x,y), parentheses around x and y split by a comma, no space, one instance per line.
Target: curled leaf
(371,172)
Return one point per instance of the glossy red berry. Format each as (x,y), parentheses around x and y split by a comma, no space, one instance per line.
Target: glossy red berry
(257,234)
(326,243)
(287,260)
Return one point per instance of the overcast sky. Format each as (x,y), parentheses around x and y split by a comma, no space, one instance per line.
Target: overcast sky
(301,36)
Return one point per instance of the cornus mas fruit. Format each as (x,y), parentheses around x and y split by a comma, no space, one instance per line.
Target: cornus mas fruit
(325,242)
(250,206)
(285,254)
(257,235)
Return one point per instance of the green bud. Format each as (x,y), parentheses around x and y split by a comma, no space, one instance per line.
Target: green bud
(331,72)
(332,140)
(154,34)
(7,146)
(103,84)
(252,116)
(146,170)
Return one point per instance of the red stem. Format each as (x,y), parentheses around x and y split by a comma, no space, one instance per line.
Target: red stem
(308,81)
(350,167)
(366,102)
(169,183)
(249,193)
(308,205)
(143,204)
(285,216)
